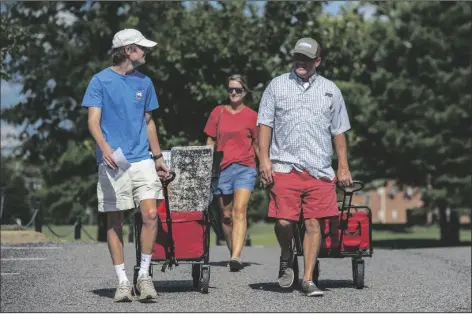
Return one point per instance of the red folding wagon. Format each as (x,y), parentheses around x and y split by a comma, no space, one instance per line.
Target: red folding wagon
(347,235)
(182,237)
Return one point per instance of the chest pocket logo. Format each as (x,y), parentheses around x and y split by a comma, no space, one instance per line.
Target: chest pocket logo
(139,95)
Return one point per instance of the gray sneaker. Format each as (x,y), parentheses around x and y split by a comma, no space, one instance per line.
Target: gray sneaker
(286,274)
(146,289)
(235,264)
(310,289)
(123,292)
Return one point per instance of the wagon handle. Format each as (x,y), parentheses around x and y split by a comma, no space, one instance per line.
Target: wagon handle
(352,189)
(172,177)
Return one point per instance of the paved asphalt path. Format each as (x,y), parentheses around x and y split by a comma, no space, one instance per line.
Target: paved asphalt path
(80,278)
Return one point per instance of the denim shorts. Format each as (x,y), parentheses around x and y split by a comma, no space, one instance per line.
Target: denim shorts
(236,177)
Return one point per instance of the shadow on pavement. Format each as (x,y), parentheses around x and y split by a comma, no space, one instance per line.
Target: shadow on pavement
(106,293)
(327,284)
(414,244)
(165,286)
(170,286)
(269,286)
(225,263)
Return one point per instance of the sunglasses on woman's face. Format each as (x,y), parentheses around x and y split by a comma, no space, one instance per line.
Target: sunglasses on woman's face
(236,90)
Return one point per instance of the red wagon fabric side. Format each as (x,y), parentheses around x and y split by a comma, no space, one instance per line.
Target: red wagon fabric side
(329,233)
(356,236)
(358,229)
(188,232)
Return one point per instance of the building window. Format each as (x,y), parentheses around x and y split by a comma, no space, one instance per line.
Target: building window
(409,193)
(393,191)
(394,214)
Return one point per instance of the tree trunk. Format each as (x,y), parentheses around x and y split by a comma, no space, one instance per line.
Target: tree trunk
(449,226)
(454,227)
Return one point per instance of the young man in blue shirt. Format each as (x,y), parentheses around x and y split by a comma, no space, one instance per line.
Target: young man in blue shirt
(119,101)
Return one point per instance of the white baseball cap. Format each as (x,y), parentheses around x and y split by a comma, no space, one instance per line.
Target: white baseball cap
(130,36)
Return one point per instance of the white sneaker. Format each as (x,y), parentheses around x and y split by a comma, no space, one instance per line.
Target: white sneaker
(123,292)
(146,289)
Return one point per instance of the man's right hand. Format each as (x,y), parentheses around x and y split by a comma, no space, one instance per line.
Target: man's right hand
(107,156)
(266,172)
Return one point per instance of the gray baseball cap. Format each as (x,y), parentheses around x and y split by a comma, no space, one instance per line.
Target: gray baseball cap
(308,47)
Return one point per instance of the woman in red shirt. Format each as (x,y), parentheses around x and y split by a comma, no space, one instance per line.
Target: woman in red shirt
(232,129)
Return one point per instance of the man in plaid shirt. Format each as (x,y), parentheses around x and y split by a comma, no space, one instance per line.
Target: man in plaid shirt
(300,114)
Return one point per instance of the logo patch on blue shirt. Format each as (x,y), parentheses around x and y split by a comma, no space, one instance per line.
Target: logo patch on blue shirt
(139,95)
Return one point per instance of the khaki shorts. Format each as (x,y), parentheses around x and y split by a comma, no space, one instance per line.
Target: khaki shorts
(126,191)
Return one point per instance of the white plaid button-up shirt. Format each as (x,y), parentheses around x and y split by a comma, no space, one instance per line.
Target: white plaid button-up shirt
(304,116)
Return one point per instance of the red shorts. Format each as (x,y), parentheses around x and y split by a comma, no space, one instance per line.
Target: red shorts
(296,191)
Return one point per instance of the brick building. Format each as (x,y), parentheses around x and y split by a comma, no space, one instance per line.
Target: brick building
(389,203)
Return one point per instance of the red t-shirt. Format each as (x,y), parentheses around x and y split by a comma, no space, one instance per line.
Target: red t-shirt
(236,135)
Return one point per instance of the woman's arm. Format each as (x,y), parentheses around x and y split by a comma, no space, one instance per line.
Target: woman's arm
(255,144)
(211,141)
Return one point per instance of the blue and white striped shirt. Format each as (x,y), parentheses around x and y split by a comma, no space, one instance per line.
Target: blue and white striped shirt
(304,117)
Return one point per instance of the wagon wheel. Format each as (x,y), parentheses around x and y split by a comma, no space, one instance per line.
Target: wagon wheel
(150,271)
(205,280)
(296,272)
(138,222)
(353,266)
(135,276)
(196,274)
(358,273)
(316,273)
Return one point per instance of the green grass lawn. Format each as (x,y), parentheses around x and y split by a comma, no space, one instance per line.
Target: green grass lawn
(62,230)
(263,234)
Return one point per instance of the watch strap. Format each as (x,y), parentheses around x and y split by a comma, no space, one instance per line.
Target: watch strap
(158,156)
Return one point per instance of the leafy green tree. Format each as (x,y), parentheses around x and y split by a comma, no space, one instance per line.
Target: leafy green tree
(419,65)
(13,40)
(56,67)
(403,77)
(16,195)
(198,49)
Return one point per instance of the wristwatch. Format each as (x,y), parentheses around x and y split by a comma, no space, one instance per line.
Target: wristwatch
(156,157)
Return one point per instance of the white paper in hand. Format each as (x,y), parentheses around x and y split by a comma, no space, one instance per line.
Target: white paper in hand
(121,160)
(122,163)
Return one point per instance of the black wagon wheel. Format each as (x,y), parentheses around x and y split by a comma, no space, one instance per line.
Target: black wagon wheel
(205,279)
(353,262)
(196,271)
(135,276)
(316,272)
(138,223)
(358,267)
(150,271)
(296,272)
